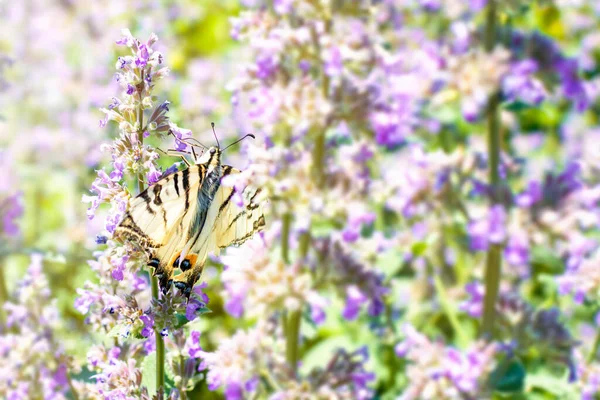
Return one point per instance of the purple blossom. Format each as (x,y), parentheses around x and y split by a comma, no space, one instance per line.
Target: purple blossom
(333,62)
(10,209)
(119,265)
(520,83)
(516,251)
(193,345)
(180,134)
(266,65)
(531,195)
(490,229)
(148,328)
(192,307)
(142,57)
(355,299)
(474,305)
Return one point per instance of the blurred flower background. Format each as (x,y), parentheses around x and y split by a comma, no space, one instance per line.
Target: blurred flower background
(431,181)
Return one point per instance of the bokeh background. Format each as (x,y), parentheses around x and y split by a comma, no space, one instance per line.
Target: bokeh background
(399,218)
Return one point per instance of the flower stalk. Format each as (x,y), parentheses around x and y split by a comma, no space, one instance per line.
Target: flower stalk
(160,343)
(3,297)
(494,255)
(595,346)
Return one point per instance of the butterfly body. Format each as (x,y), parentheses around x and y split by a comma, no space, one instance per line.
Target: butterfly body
(185,216)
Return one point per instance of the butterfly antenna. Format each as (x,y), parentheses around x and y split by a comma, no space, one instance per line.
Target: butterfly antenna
(239,140)
(212,124)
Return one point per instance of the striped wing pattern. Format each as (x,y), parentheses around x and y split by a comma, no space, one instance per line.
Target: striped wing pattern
(185,216)
(226,224)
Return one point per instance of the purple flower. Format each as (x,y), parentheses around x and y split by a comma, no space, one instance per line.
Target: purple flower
(193,345)
(171,170)
(390,128)
(148,328)
(333,62)
(11,210)
(101,239)
(490,229)
(354,301)
(520,83)
(192,307)
(180,134)
(572,86)
(474,305)
(283,7)
(235,305)
(266,65)
(153,175)
(130,89)
(142,56)
(117,173)
(516,251)
(530,196)
(119,264)
(233,391)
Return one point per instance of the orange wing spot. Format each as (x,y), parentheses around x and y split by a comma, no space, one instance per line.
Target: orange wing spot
(185,264)
(173,261)
(192,258)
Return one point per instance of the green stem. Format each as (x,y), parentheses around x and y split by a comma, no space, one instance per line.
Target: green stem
(160,347)
(595,346)
(291,348)
(494,256)
(74,393)
(3,298)
(319,159)
(461,338)
(160,343)
(285,237)
(490,26)
(182,391)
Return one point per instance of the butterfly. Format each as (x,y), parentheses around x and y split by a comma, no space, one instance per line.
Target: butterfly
(188,214)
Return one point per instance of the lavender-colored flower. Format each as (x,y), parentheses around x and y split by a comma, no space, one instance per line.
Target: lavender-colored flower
(10,210)
(148,321)
(441,372)
(33,361)
(490,229)
(354,301)
(520,84)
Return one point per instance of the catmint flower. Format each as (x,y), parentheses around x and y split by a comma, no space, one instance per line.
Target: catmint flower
(520,84)
(32,359)
(180,134)
(354,300)
(11,203)
(442,372)
(254,284)
(488,230)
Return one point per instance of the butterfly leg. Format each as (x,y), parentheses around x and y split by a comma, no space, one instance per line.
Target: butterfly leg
(173,152)
(163,276)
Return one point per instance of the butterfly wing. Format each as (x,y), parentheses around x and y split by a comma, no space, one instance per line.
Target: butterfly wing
(158,218)
(227,223)
(237,224)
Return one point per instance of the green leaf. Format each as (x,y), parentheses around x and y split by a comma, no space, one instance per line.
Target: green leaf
(543,260)
(322,227)
(549,383)
(182,319)
(149,373)
(517,106)
(509,379)
(419,248)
